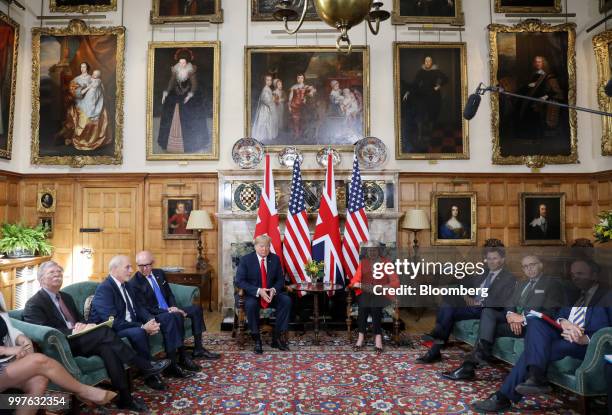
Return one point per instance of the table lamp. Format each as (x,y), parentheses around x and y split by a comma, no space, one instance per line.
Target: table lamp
(198,221)
(415,220)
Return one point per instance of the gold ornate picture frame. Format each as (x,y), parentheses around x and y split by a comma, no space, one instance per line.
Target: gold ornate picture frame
(83,6)
(330,107)
(262,10)
(542,219)
(428,77)
(524,132)
(77,120)
(46,222)
(506,6)
(169,11)
(410,11)
(175,214)
(46,200)
(9,48)
(602,44)
(454,218)
(199,117)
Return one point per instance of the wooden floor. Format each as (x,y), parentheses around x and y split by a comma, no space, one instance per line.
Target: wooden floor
(411,319)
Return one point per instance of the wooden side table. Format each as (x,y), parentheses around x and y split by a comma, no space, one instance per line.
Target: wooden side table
(194,278)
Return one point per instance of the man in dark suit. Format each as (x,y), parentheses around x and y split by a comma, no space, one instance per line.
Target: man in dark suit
(114,297)
(545,343)
(260,275)
(154,293)
(543,226)
(499,283)
(538,292)
(54,308)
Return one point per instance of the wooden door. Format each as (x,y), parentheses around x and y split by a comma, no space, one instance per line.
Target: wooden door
(110,225)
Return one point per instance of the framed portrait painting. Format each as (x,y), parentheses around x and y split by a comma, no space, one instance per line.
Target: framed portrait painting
(307,97)
(262,10)
(47,223)
(183,101)
(172,11)
(46,201)
(82,6)
(428,11)
(77,94)
(527,6)
(9,46)
(602,43)
(430,93)
(175,214)
(453,217)
(536,60)
(542,218)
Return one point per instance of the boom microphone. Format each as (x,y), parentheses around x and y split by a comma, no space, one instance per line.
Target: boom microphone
(471,106)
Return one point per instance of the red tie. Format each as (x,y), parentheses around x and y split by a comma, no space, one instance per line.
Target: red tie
(264,283)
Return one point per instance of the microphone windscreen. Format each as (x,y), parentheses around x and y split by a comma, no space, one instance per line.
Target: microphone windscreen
(608,88)
(471,107)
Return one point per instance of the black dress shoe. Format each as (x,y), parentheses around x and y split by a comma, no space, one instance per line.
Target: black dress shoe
(176,372)
(533,387)
(188,364)
(280,345)
(206,354)
(258,347)
(156,382)
(156,367)
(461,373)
(134,405)
(429,358)
(495,403)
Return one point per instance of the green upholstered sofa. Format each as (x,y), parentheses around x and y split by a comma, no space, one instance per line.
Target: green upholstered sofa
(89,370)
(582,377)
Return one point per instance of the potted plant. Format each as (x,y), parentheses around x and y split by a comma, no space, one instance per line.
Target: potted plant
(314,270)
(19,240)
(603,230)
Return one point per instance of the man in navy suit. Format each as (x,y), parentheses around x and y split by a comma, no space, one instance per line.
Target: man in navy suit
(499,282)
(114,297)
(260,275)
(544,343)
(154,293)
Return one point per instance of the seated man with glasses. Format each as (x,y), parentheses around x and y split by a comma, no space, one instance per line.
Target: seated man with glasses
(154,294)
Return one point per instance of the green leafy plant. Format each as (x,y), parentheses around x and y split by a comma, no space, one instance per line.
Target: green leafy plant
(603,230)
(314,269)
(18,237)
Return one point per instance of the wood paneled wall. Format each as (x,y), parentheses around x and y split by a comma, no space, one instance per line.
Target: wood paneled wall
(498,206)
(19,202)
(9,197)
(499,197)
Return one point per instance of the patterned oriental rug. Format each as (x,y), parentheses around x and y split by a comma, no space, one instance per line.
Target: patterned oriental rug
(328,379)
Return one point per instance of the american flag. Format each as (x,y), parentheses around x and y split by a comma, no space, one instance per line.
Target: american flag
(267,215)
(296,246)
(326,244)
(356,226)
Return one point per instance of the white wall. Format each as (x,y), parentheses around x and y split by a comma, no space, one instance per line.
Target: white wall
(233,36)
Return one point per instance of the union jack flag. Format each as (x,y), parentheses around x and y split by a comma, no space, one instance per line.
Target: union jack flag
(326,243)
(356,226)
(296,245)
(267,215)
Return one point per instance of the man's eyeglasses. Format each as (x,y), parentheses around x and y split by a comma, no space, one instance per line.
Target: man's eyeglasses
(144,265)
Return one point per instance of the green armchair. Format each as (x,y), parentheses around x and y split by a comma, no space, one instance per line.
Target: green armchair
(89,370)
(582,377)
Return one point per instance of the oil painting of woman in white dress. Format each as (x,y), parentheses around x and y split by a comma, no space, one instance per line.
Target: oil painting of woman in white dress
(265,126)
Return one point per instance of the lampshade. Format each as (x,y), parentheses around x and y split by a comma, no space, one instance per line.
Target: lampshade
(199,219)
(415,219)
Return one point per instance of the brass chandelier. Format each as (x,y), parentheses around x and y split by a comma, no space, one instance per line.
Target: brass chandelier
(339,14)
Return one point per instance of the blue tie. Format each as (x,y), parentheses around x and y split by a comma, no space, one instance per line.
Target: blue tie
(487,282)
(161,301)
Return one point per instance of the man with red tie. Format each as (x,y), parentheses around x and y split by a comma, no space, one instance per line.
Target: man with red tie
(260,275)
